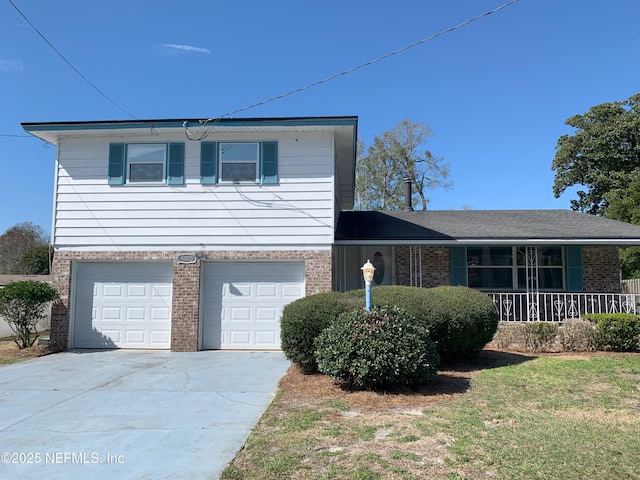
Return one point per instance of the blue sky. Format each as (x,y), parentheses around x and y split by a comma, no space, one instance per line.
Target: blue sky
(496,92)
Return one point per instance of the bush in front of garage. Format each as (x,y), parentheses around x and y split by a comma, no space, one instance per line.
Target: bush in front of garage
(304,319)
(22,305)
(379,350)
(460,320)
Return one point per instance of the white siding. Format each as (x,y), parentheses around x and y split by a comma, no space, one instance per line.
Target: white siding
(299,211)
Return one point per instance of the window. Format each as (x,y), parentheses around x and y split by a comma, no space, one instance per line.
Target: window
(490,267)
(509,268)
(239,162)
(550,267)
(146,163)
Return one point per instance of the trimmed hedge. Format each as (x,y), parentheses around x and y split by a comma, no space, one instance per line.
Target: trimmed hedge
(378,350)
(303,320)
(619,332)
(460,320)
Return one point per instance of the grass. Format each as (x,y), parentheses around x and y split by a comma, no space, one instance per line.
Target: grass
(505,416)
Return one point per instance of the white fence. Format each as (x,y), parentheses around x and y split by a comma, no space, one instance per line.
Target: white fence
(556,307)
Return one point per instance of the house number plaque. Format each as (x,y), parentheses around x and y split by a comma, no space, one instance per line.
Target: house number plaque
(187,259)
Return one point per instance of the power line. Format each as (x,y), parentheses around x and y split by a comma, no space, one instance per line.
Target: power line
(370,62)
(70,64)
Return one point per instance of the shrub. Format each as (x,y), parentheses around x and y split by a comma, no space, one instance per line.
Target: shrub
(302,321)
(577,335)
(616,331)
(460,320)
(22,305)
(508,333)
(539,335)
(382,349)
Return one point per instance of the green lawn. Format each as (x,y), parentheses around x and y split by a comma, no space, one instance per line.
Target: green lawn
(547,417)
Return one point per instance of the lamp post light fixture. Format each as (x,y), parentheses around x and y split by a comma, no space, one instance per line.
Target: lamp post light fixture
(367,273)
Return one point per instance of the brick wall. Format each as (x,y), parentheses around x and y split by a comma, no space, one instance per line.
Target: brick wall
(601,269)
(185,305)
(436,266)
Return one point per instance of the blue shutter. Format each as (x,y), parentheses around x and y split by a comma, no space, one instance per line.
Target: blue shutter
(117,154)
(459,266)
(175,164)
(269,158)
(208,163)
(574,268)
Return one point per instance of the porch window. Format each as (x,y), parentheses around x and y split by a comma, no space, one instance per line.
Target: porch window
(515,268)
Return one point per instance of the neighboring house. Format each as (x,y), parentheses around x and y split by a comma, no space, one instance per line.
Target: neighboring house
(193,235)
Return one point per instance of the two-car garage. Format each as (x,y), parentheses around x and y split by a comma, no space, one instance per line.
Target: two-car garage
(128,304)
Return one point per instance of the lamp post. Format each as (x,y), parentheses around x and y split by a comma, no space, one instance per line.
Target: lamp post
(367,273)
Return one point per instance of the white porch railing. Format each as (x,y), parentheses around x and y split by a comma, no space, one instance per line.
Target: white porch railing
(558,306)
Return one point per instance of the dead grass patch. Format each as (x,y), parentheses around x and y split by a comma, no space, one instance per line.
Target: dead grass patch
(599,415)
(471,423)
(10,353)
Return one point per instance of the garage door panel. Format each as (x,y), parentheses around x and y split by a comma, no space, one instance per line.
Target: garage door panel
(124,305)
(242,303)
(108,314)
(137,290)
(111,290)
(291,291)
(268,314)
(266,290)
(266,337)
(240,338)
(136,313)
(161,314)
(135,336)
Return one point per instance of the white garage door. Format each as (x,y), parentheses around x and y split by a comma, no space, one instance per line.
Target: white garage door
(243,303)
(122,305)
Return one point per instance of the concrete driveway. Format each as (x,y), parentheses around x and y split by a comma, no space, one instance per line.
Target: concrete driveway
(131,414)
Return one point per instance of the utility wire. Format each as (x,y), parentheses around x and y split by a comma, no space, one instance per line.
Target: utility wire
(70,64)
(210,123)
(370,62)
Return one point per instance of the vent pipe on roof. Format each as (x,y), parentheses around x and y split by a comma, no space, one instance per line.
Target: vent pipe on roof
(407,195)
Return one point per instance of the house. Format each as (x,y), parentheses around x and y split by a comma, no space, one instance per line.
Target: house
(193,235)
(545,265)
(190,234)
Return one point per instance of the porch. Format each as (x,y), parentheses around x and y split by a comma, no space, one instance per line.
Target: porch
(559,306)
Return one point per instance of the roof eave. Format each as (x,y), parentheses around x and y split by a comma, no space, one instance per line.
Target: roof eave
(617,242)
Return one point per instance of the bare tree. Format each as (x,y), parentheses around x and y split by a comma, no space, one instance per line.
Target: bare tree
(395,155)
(16,245)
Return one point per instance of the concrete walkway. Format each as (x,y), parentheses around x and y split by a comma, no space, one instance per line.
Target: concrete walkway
(131,414)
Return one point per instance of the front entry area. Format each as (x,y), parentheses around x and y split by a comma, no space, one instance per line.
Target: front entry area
(122,305)
(242,303)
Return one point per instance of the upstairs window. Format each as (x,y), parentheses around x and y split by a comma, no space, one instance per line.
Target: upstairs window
(146,163)
(239,162)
